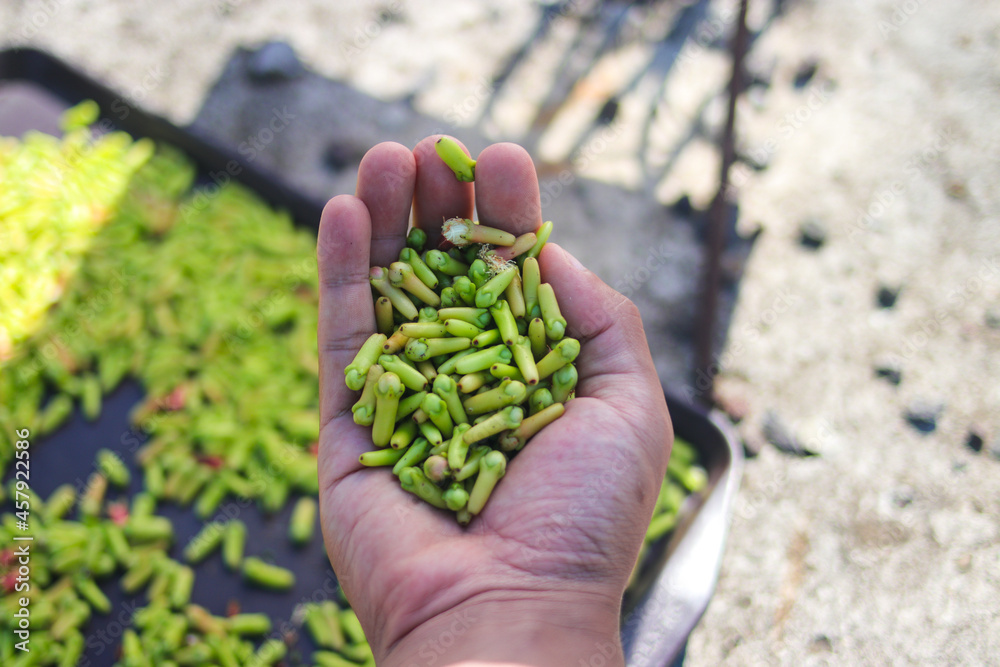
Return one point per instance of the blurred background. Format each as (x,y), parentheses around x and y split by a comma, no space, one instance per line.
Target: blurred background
(856,337)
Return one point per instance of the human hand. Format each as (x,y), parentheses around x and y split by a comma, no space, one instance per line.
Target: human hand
(539,575)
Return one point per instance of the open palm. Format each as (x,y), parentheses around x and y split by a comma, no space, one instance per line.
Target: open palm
(556,542)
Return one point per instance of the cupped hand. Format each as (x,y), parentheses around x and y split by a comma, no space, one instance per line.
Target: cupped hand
(536,578)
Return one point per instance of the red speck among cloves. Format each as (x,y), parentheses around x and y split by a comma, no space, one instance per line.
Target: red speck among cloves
(118,513)
(176,399)
(233,608)
(211,460)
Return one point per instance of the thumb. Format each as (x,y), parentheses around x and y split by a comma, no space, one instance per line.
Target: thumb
(614,364)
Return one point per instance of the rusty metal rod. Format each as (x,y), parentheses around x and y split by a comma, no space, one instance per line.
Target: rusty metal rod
(717,215)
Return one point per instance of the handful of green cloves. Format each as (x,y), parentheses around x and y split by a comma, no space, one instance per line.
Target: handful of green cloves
(469,361)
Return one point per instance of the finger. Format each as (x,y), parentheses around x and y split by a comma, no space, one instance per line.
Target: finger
(438,195)
(507,189)
(346,313)
(614,354)
(386,179)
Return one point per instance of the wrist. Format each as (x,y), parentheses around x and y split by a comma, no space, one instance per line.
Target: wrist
(501,630)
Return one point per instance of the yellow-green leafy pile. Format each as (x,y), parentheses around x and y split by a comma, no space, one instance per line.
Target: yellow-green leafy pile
(211,303)
(57,195)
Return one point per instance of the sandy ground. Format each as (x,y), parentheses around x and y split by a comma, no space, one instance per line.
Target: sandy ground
(873,124)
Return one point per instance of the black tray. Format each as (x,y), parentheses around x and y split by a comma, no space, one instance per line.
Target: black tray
(675,583)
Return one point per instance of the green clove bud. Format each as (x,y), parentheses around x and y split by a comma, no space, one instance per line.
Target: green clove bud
(491,290)
(420,268)
(456,497)
(543,236)
(364,409)
(388,390)
(462,232)
(437,412)
(505,321)
(508,418)
(479,317)
(479,273)
(416,239)
(408,375)
(451,154)
(413,480)
(401,275)
(445,263)
(481,360)
(421,349)
(555,324)
(563,353)
(563,383)
(357,371)
(491,469)
(414,455)
(379,279)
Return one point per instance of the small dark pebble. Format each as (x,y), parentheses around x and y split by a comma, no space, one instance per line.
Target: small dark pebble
(683,206)
(778,435)
(391,14)
(274,61)
(820,644)
(887,296)
(337,156)
(751,446)
(964,563)
(805,73)
(890,374)
(956,190)
(608,112)
(974,441)
(812,234)
(923,415)
(902,496)
(992,318)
